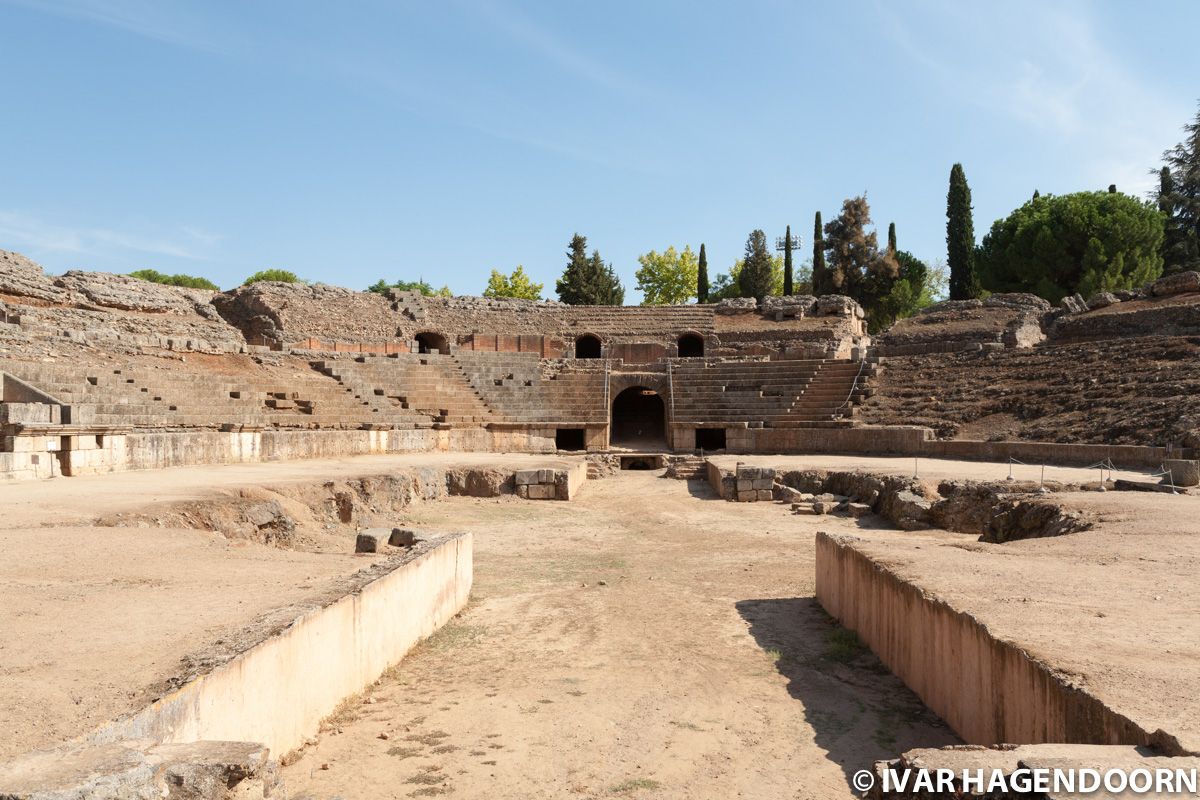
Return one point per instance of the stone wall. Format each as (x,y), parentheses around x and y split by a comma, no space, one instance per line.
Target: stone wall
(989,691)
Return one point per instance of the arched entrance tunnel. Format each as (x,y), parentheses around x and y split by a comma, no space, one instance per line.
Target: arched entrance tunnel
(429,342)
(639,419)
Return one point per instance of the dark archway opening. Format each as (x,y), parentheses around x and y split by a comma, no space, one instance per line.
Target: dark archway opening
(639,419)
(691,345)
(587,346)
(428,342)
(570,439)
(710,439)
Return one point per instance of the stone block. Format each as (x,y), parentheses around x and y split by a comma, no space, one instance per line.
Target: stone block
(745,484)
(858,509)
(523,491)
(1183,472)
(821,507)
(526,477)
(765,494)
(545,476)
(402,537)
(542,491)
(763,483)
(803,508)
(373,540)
(749,496)
(1176,284)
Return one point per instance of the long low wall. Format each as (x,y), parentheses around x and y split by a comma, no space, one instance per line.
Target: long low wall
(989,691)
(278,691)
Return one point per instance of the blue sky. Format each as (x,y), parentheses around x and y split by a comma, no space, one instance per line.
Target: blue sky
(363,139)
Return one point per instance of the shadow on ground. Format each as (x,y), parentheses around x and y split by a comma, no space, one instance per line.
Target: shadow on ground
(859,711)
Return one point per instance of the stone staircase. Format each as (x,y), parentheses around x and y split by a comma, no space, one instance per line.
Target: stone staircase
(433,387)
(816,393)
(520,387)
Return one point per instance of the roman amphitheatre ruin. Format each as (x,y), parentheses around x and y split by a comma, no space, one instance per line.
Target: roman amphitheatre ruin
(300,541)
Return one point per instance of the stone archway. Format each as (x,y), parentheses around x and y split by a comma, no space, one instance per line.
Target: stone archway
(639,419)
(428,342)
(588,346)
(691,345)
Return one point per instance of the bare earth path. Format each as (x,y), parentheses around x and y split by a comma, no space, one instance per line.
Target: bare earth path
(645,640)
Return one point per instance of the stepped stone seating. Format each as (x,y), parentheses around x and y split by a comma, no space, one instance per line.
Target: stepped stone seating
(654,321)
(142,397)
(772,394)
(520,387)
(431,386)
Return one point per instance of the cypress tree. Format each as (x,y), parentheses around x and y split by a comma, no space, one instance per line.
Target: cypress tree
(787,262)
(755,279)
(702,277)
(820,276)
(892,238)
(960,238)
(1036,194)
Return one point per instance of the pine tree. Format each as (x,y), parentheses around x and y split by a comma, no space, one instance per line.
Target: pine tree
(856,267)
(820,275)
(1183,163)
(892,238)
(572,286)
(960,238)
(787,261)
(604,287)
(702,277)
(755,278)
(1174,246)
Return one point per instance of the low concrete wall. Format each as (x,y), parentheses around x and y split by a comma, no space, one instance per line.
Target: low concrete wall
(989,691)
(278,691)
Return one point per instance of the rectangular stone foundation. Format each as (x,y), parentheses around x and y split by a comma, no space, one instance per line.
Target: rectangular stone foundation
(278,691)
(989,691)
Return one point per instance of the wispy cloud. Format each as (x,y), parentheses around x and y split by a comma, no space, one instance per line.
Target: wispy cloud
(170,23)
(1049,68)
(532,36)
(23,232)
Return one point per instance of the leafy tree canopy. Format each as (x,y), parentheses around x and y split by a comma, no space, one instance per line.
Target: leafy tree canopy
(669,277)
(383,287)
(517,285)
(277,275)
(1085,242)
(1179,200)
(755,279)
(917,285)
(188,281)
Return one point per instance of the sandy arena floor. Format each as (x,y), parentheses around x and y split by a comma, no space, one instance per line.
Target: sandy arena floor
(644,640)
(93,619)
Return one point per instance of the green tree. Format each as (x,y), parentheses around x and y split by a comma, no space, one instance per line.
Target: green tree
(787,261)
(588,281)
(423,286)
(892,238)
(754,278)
(856,265)
(820,274)
(186,281)
(667,278)
(1179,199)
(915,287)
(516,285)
(728,284)
(702,277)
(275,275)
(960,238)
(1085,242)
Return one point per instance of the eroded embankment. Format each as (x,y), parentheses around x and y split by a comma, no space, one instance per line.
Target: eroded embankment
(995,512)
(292,515)
(988,690)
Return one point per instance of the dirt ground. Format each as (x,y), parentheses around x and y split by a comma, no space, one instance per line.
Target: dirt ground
(644,640)
(1114,609)
(94,619)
